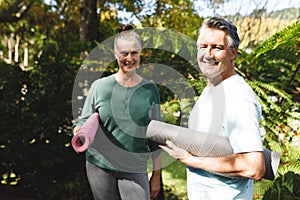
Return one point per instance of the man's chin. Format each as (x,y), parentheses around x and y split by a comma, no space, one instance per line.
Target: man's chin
(209,72)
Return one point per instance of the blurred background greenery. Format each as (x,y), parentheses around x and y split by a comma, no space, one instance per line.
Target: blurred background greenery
(43,45)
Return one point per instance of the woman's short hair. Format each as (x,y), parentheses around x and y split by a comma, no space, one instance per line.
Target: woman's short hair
(125,31)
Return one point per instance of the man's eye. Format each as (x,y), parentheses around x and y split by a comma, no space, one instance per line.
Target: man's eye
(219,47)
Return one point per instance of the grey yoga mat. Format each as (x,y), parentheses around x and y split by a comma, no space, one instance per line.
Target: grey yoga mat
(203,144)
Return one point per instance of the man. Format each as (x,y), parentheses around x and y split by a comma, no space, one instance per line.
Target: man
(228,107)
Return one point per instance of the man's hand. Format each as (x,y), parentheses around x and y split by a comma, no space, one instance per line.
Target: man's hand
(175,151)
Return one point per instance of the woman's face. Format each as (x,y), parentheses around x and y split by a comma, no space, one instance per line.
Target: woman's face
(128,55)
(215,57)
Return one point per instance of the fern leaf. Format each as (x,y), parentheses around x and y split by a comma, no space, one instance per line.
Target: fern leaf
(294,166)
(260,187)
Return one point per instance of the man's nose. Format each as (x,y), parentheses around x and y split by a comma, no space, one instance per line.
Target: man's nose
(209,51)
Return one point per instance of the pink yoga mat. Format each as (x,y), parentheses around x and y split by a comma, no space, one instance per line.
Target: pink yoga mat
(86,134)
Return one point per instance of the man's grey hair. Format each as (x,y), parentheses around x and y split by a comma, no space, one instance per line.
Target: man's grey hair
(224,25)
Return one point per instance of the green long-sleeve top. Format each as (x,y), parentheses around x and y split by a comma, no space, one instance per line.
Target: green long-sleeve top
(120,143)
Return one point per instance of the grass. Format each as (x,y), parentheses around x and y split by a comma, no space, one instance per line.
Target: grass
(174,178)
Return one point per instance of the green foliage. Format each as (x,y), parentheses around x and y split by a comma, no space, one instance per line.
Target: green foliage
(276,61)
(35,141)
(174,179)
(36,158)
(285,187)
(174,15)
(272,70)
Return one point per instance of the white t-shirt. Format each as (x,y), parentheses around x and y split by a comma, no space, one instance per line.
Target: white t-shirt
(229,109)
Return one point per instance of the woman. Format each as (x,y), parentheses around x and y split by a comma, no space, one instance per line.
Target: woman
(117,161)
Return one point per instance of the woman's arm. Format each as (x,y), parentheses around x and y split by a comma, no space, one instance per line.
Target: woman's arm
(156,176)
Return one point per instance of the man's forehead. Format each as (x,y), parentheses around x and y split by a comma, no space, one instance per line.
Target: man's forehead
(213,36)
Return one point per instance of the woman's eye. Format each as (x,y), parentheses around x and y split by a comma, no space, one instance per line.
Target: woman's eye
(124,54)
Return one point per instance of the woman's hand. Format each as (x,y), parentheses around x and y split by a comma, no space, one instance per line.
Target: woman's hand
(76,129)
(155,184)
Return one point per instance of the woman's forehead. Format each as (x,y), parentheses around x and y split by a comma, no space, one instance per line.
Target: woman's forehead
(128,45)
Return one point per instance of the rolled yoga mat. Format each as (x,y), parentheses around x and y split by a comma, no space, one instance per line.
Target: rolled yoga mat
(86,134)
(204,144)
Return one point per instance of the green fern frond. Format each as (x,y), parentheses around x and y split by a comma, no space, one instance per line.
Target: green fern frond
(294,166)
(276,147)
(275,59)
(259,89)
(275,63)
(294,153)
(260,187)
(269,87)
(285,36)
(282,169)
(264,105)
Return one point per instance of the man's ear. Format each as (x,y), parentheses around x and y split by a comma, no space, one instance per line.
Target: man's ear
(234,53)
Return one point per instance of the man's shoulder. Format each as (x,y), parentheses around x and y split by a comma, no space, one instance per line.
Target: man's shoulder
(239,86)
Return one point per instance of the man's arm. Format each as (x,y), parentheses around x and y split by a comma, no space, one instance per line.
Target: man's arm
(250,165)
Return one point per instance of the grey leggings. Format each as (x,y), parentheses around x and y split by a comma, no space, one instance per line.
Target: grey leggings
(111,185)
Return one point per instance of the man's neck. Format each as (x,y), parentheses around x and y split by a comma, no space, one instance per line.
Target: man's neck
(214,81)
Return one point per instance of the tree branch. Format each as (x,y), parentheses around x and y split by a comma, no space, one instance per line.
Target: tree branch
(16,11)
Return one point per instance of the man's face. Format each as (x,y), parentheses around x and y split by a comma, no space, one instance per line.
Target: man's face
(215,57)
(128,55)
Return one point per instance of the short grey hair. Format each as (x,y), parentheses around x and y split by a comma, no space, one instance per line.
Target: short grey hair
(126,32)
(224,25)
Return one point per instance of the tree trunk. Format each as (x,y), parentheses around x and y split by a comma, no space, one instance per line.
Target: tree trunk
(89,21)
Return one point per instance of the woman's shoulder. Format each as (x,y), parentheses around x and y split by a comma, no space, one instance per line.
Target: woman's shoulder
(104,80)
(148,83)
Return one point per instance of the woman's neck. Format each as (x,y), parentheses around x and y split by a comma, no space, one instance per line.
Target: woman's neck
(127,79)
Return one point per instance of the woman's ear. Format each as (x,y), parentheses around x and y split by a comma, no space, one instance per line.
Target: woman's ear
(115,53)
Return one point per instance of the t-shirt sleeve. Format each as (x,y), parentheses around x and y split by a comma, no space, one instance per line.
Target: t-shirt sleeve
(155,109)
(243,126)
(155,115)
